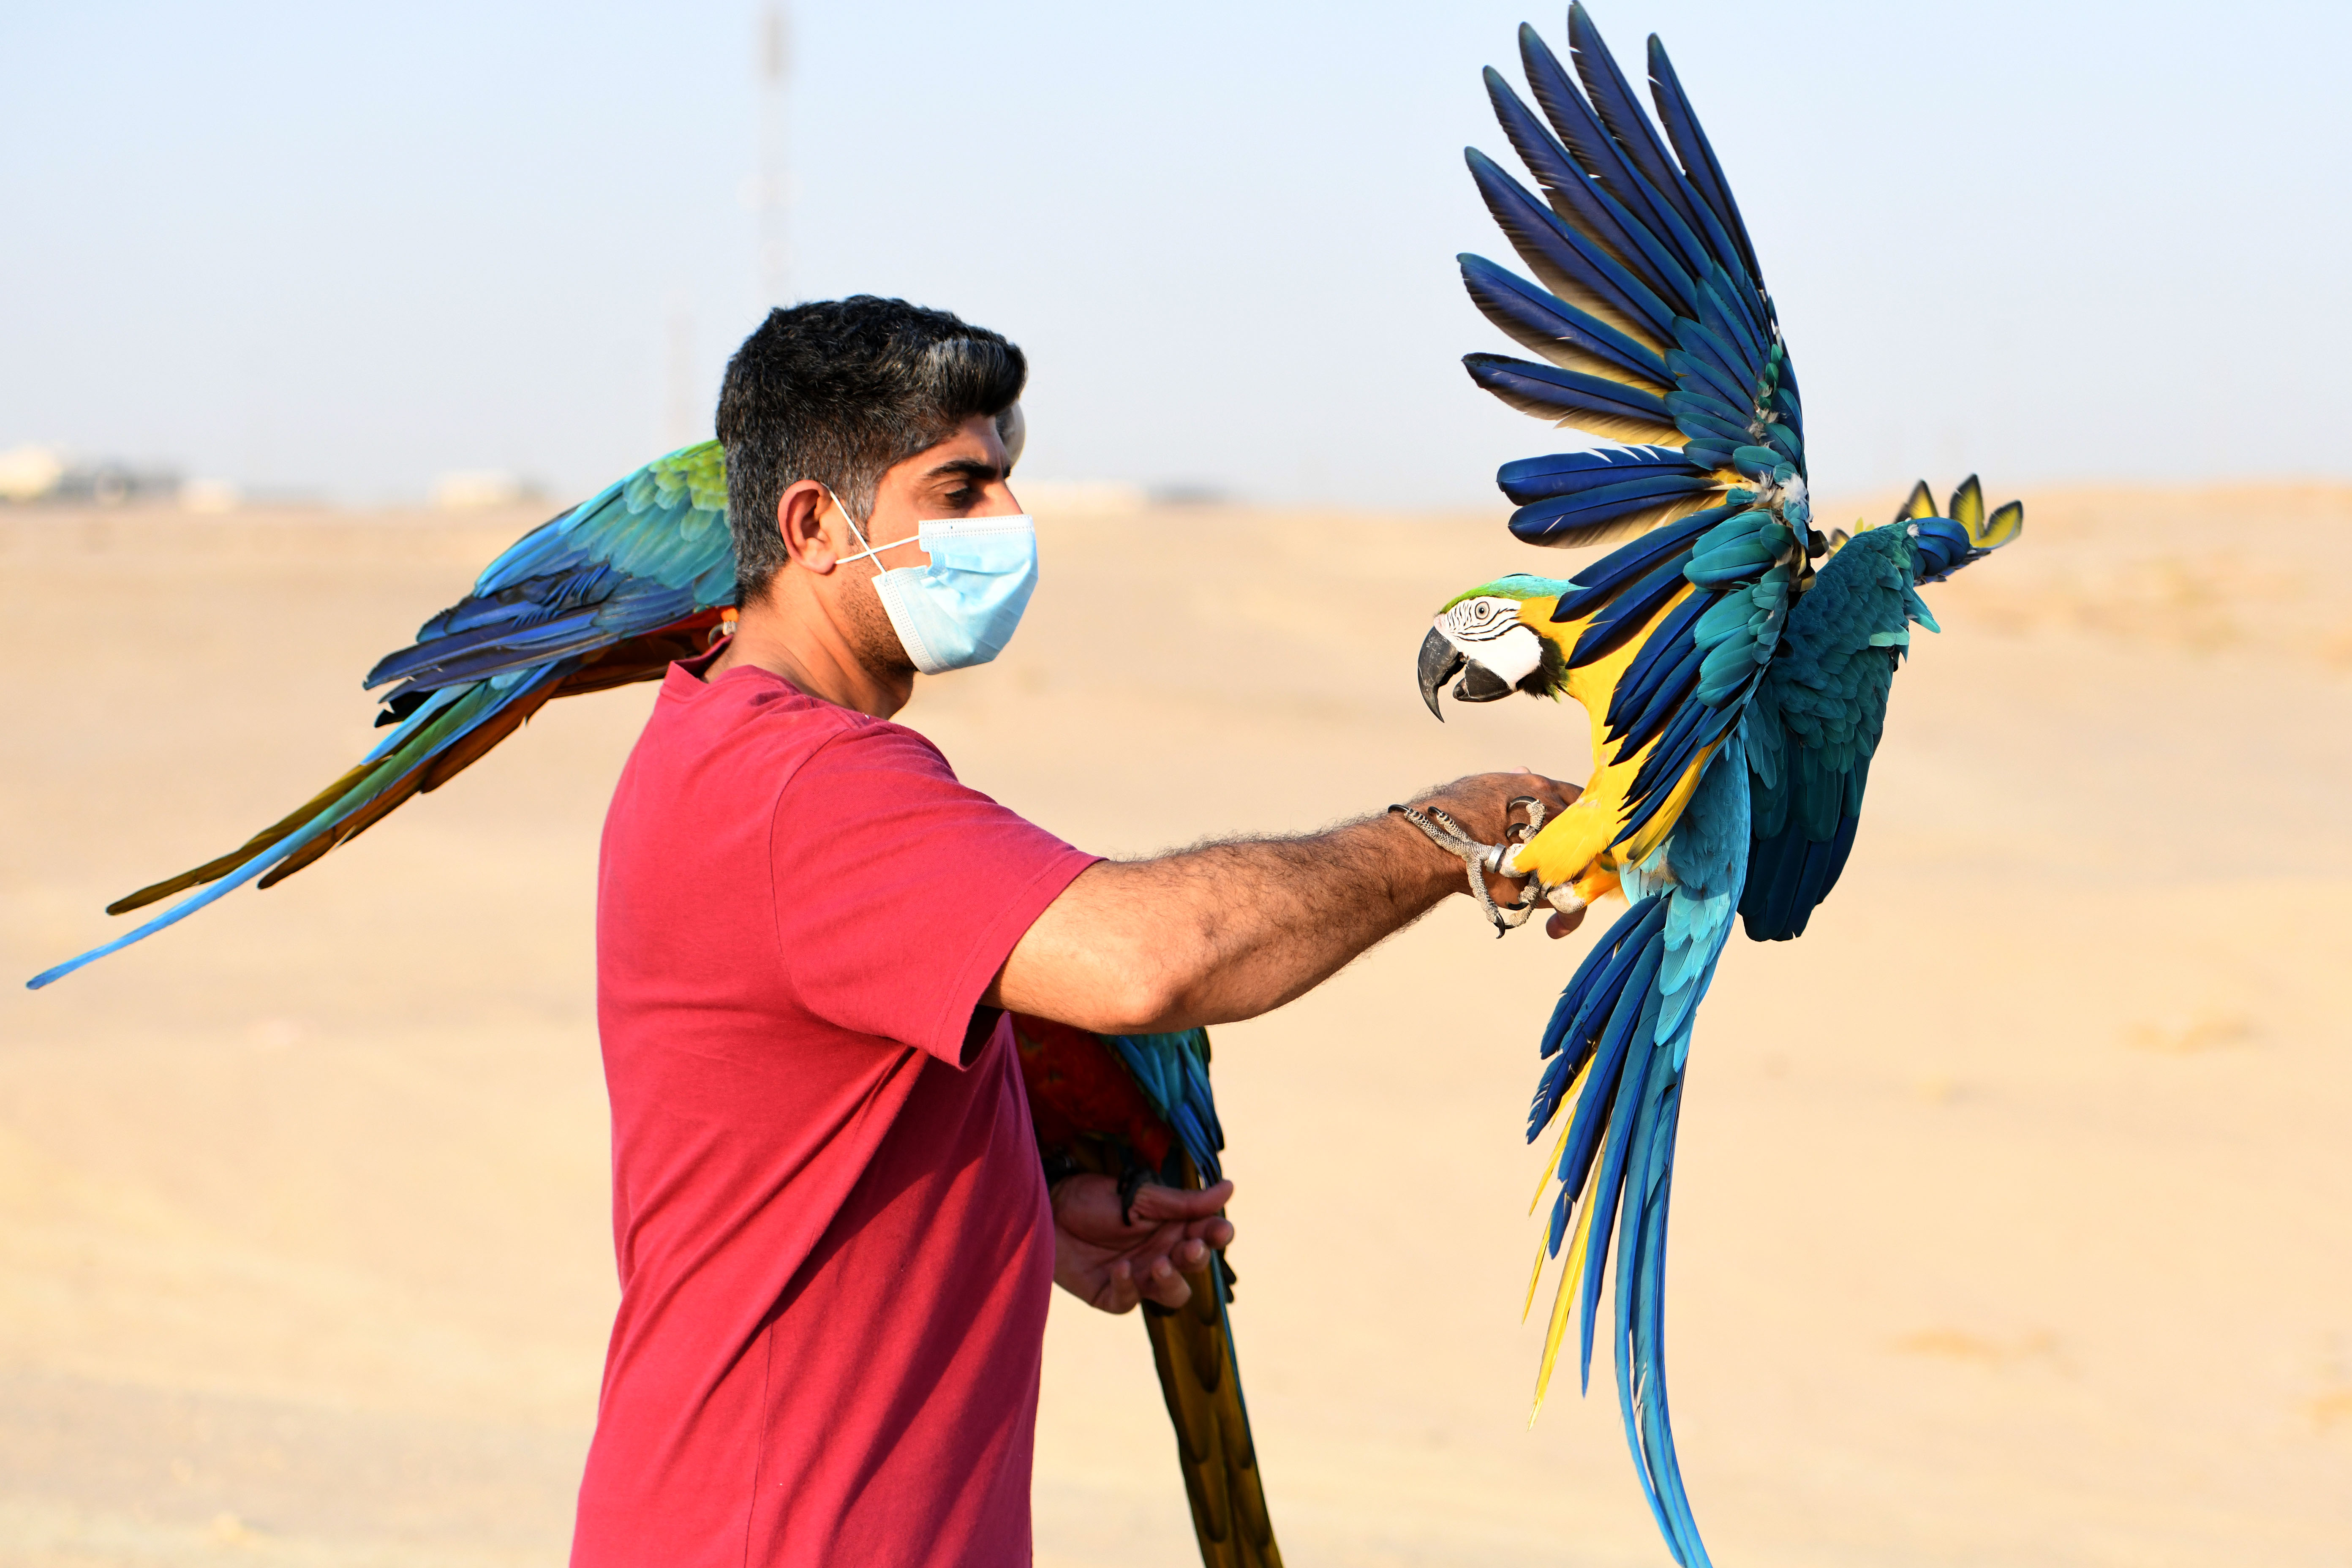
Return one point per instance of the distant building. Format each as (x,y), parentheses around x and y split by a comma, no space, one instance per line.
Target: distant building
(210,495)
(30,473)
(35,474)
(475,491)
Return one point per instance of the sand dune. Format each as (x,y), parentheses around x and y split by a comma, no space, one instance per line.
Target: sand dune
(2012,1221)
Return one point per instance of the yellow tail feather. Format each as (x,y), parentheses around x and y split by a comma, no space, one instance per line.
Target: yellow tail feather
(1571,1277)
(1560,1113)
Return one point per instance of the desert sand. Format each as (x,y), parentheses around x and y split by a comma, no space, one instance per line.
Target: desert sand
(2013,1220)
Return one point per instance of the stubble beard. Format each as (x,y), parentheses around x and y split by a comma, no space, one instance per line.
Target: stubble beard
(872,634)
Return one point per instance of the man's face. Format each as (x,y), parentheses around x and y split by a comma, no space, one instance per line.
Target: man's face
(963,476)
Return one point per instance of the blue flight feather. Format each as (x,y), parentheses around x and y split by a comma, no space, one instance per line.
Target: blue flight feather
(1606,90)
(1572,189)
(1534,318)
(1551,247)
(1628,613)
(1597,152)
(1564,473)
(1634,559)
(1553,392)
(1537,522)
(1698,154)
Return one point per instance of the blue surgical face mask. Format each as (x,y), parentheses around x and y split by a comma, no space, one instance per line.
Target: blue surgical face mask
(961,609)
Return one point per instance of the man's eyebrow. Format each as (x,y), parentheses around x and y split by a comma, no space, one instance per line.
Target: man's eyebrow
(971,468)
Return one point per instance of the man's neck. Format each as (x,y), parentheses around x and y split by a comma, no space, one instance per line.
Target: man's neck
(792,633)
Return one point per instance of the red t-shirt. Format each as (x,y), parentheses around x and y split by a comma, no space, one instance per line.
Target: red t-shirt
(833,1239)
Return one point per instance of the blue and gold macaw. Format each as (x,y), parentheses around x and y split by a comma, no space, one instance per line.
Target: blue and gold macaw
(1734,662)
(612,591)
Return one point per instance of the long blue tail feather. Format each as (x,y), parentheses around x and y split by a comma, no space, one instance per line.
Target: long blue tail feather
(1607,1189)
(1598,977)
(1647,975)
(325,822)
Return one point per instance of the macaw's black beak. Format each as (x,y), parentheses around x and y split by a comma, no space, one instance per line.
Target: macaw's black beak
(1439,660)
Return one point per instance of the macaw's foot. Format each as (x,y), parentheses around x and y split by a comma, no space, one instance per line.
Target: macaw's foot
(1132,1181)
(1480,860)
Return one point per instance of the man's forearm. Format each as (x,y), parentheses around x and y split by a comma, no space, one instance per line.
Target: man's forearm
(1231,930)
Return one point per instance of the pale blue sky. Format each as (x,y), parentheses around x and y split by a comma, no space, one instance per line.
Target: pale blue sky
(347,250)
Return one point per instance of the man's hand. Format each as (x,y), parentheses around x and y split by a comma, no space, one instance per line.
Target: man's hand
(1481,802)
(1481,806)
(1109,1263)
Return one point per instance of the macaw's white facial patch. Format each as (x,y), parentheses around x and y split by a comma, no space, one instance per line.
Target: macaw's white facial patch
(1488,630)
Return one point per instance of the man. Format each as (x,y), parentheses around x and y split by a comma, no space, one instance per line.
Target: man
(835,1237)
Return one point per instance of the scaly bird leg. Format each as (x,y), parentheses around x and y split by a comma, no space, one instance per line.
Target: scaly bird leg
(1480,859)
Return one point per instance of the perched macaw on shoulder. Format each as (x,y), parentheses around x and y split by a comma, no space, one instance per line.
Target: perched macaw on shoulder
(1734,662)
(608,592)
(614,591)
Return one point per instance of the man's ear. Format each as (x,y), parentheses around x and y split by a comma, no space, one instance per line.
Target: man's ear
(801,519)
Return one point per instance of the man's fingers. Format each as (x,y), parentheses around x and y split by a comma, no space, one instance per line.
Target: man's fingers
(1118,1293)
(1563,922)
(1168,1288)
(1157,1202)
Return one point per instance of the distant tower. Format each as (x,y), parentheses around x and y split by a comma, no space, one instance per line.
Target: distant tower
(685,420)
(775,165)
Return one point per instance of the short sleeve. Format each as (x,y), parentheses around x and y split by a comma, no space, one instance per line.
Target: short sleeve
(899,892)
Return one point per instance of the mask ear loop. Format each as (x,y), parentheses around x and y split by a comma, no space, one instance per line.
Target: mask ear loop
(870,553)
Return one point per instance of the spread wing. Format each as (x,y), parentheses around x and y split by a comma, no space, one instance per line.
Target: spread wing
(1133,1105)
(1816,719)
(1650,313)
(608,592)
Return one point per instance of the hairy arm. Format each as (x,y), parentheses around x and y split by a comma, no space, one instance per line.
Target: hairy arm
(1231,930)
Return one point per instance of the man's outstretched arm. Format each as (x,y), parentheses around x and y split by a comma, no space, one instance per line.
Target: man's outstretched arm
(1231,930)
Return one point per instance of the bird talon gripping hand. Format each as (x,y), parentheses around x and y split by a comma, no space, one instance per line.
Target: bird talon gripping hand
(1733,662)
(1482,860)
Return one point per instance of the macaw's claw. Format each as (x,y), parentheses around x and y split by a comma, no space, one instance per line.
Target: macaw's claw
(1132,1181)
(1481,859)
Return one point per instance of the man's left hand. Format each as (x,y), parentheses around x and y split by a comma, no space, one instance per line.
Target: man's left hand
(1112,1262)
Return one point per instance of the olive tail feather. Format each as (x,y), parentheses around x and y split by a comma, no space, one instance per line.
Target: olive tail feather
(1193,1348)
